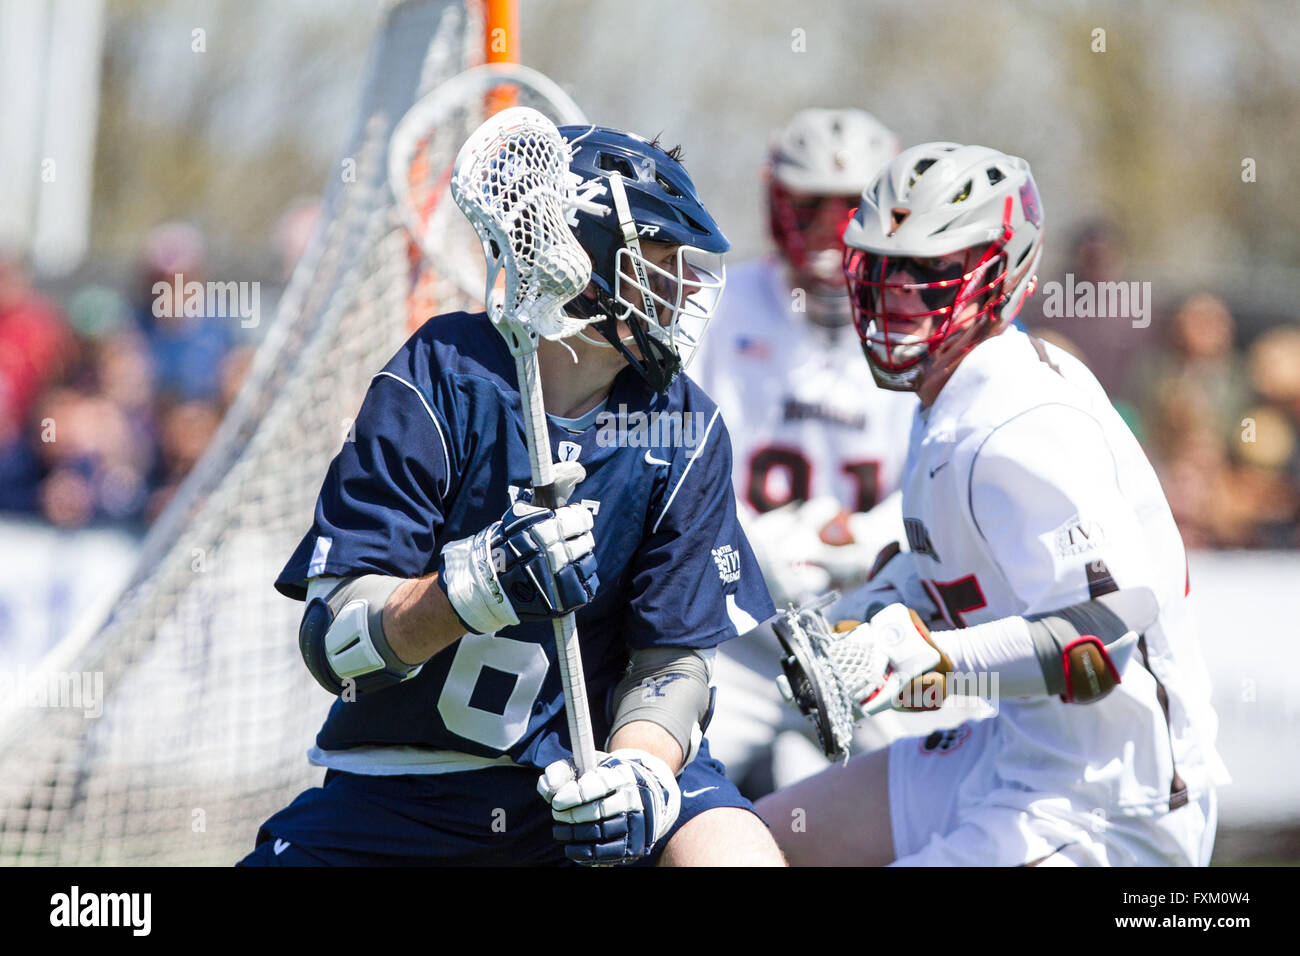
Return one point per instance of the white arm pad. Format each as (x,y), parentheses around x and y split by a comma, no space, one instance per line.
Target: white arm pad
(344,641)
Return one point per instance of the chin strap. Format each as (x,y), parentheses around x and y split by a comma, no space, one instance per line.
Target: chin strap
(627,226)
(658,364)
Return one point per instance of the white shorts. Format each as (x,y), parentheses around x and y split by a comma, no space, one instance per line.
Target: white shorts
(947,808)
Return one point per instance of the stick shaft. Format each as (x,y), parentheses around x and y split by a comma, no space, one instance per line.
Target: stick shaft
(567,650)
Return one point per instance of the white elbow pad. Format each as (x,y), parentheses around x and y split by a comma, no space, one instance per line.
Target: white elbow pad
(342,636)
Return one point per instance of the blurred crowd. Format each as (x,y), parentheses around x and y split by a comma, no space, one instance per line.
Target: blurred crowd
(105,406)
(1219,421)
(106,400)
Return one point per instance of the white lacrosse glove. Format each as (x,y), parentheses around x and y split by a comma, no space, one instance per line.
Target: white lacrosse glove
(851,541)
(890,662)
(806,548)
(615,813)
(786,548)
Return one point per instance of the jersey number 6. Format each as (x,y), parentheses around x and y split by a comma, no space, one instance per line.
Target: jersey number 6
(485,671)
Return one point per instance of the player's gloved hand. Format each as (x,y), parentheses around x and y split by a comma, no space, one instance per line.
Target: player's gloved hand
(534,564)
(891,662)
(615,813)
(851,541)
(893,580)
(806,548)
(788,550)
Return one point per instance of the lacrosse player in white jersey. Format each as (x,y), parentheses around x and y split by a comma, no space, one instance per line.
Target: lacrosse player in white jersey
(1043,561)
(818,451)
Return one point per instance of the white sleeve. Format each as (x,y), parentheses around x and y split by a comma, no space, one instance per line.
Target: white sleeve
(1045,495)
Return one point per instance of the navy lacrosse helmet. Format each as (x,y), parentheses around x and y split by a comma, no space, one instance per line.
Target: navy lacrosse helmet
(666,305)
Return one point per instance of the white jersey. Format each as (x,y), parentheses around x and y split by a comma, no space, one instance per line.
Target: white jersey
(1025,492)
(805,418)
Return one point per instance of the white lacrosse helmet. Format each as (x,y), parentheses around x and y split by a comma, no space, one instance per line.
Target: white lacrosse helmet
(948,233)
(821,153)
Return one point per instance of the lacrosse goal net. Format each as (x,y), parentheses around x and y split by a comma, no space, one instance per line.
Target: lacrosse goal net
(207,709)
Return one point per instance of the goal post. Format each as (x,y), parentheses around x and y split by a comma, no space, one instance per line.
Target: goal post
(207,709)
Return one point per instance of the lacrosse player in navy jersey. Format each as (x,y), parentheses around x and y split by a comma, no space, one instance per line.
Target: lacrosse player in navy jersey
(431,581)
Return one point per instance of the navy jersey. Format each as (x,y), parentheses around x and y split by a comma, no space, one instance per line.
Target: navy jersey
(438,453)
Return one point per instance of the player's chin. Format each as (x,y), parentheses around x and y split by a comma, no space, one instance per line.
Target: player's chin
(821,276)
(911,328)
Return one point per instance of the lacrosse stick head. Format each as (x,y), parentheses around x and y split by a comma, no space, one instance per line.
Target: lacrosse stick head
(811,679)
(511,180)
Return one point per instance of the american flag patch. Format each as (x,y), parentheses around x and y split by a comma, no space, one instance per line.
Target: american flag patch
(756,349)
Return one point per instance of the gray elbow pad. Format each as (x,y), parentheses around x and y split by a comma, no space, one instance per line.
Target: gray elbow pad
(668,687)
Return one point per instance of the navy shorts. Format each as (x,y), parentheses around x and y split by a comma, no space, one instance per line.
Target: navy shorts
(489,817)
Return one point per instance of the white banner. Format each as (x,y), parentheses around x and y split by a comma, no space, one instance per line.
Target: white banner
(1248,617)
(48,579)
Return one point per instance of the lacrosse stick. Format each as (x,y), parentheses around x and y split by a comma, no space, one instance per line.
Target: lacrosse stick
(811,679)
(511,179)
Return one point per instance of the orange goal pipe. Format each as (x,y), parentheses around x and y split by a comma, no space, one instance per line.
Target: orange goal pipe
(501,45)
(501,38)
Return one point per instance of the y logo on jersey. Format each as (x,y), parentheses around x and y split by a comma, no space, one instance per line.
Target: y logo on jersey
(569,451)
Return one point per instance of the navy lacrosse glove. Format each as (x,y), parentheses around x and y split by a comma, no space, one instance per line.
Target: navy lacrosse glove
(615,813)
(534,564)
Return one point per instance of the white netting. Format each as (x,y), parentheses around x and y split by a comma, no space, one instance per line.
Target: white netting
(208,708)
(860,662)
(512,182)
(830,666)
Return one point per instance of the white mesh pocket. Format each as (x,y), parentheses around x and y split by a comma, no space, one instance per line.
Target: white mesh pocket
(511,181)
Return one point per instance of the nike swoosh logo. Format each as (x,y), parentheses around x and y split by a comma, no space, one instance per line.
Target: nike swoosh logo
(935,471)
(281,846)
(696,793)
(652,460)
